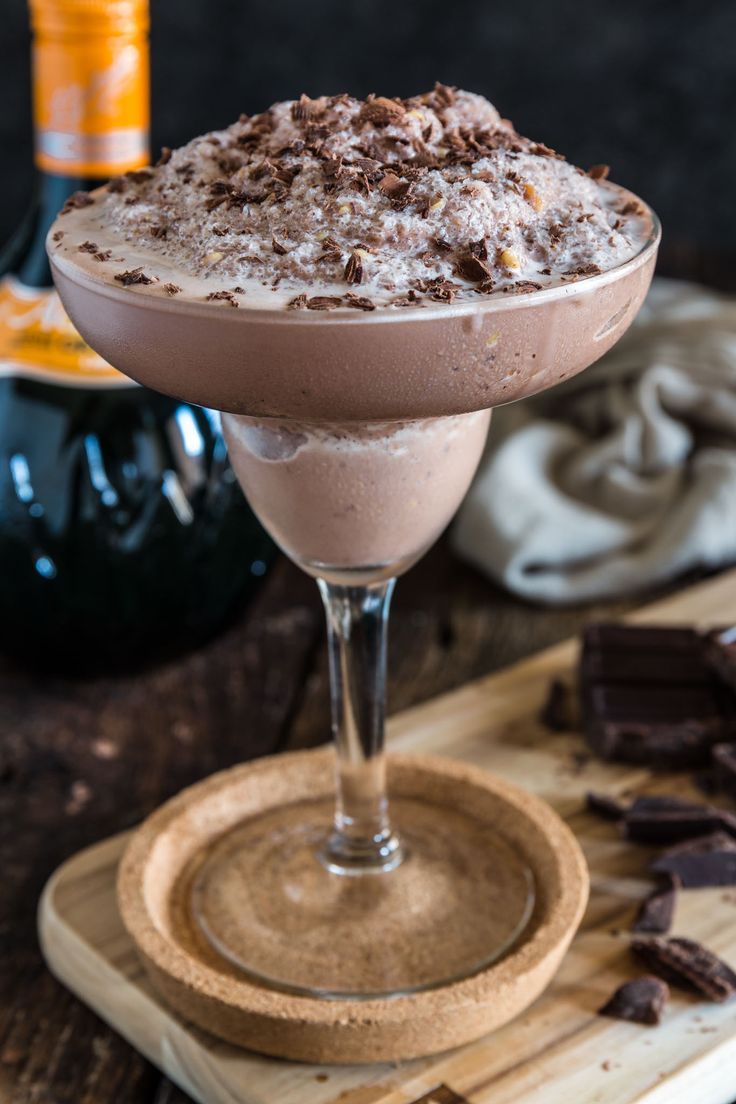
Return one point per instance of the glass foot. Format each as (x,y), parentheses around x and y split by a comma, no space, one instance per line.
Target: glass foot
(268,903)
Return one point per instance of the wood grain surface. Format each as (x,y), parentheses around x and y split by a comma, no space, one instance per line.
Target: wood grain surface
(557,1051)
(80,761)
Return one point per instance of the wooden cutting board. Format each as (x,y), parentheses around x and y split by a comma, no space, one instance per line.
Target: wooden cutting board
(559,1051)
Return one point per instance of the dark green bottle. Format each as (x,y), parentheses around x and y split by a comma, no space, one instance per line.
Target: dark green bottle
(124,537)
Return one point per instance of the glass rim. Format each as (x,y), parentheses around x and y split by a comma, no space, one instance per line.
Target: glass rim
(498,301)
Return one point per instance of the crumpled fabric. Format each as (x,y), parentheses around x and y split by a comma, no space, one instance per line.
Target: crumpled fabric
(623,477)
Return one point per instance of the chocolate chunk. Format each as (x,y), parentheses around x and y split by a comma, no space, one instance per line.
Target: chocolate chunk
(707,861)
(689,965)
(445,94)
(720,651)
(599,172)
(662,819)
(649,696)
(602,805)
(724,768)
(656,911)
(640,1000)
(557,712)
(223,296)
(165,156)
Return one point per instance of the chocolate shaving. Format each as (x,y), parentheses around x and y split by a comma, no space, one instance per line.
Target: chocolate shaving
(77,200)
(57,235)
(304,108)
(472,265)
(133,276)
(354,269)
(323,302)
(279,249)
(299,302)
(165,157)
(159,231)
(640,1000)
(331,251)
(689,965)
(360,302)
(223,296)
(117,184)
(599,172)
(171,289)
(445,94)
(589,269)
(139,176)
(103,255)
(88,247)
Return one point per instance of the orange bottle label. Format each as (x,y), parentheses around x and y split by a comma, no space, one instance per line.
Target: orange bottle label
(91,103)
(38,341)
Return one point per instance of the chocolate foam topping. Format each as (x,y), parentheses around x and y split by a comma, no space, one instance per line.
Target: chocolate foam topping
(335,202)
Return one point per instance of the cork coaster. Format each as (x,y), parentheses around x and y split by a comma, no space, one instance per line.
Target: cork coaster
(163,856)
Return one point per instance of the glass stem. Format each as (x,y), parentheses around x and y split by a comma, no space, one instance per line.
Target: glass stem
(362,840)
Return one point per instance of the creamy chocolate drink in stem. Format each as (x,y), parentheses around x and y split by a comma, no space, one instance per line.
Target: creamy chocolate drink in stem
(355,284)
(349,501)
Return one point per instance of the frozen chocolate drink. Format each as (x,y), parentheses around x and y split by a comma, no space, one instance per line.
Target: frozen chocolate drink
(355,284)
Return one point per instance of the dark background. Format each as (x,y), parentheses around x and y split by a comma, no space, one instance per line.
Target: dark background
(648,86)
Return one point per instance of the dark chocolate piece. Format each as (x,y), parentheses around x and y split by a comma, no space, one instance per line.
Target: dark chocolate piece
(656,911)
(640,1000)
(557,711)
(649,696)
(720,652)
(662,819)
(707,861)
(601,805)
(724,768)
(689,965)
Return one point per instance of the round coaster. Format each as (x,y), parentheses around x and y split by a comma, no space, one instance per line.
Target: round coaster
(166,853)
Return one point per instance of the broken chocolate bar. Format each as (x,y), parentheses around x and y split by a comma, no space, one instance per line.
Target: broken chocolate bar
(640,1000)
(719,648)
(724,768)
(687,964)
(649,696)
(557,712)
(706,861)
(664,819)
(656,911)
(604,806)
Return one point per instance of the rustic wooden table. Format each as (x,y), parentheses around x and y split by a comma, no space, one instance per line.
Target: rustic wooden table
(82,760)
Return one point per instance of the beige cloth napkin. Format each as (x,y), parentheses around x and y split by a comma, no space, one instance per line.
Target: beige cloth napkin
(625,476)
